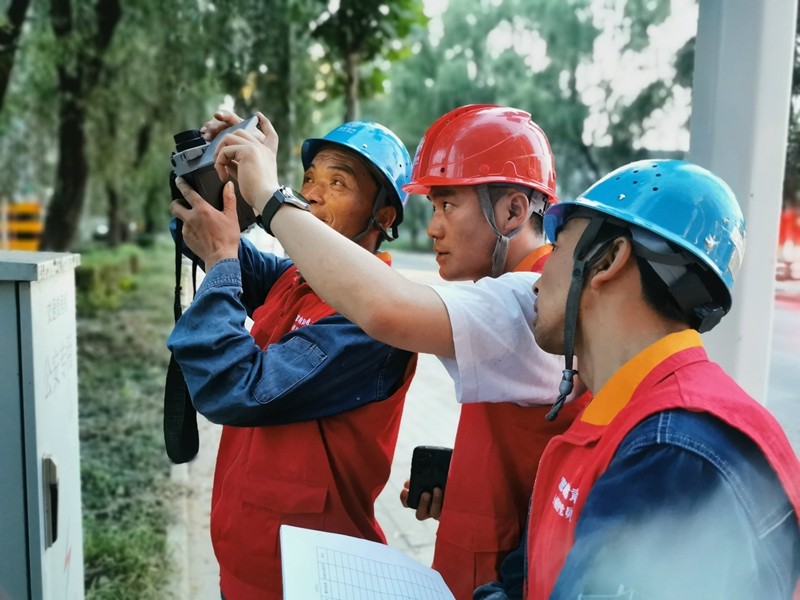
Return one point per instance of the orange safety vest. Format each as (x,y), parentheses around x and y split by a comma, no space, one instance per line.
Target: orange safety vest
(323,474)
(573,462)
(492,469)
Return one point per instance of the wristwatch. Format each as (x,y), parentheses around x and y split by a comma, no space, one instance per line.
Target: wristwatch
(283,195)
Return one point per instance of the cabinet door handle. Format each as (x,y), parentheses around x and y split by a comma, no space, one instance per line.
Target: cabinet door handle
(50,484)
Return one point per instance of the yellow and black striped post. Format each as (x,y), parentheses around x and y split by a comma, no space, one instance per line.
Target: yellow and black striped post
(21,224)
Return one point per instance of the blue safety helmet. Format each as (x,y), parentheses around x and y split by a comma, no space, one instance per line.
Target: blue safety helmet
(682,219)
(681,202)
(384,153)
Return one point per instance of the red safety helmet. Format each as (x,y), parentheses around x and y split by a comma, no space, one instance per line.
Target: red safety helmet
(484,143)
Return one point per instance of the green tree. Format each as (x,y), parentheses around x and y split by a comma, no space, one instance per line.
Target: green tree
(10,29)
(365,32)
(100,86)
(684,66)
(83,31)
(535,55)
(138,106)
(265,65)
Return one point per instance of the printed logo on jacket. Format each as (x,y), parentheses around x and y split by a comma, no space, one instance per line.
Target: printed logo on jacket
(565,499)
(300,321)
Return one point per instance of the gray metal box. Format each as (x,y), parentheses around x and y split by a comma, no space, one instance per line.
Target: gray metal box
(41,537)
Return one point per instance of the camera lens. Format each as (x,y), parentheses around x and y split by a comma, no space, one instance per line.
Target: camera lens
(190,138)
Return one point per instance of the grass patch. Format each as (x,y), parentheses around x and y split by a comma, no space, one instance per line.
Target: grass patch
(104,276)
(122,362)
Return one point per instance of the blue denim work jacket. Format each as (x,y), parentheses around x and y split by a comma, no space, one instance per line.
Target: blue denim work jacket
(316,371)
(643,536)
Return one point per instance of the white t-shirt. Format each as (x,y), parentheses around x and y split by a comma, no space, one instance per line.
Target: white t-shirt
(497,358)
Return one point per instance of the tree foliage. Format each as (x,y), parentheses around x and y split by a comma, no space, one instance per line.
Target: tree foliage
(264,65)
(10,29)
(540,56)
(79,104)
(100,86)
(362,31)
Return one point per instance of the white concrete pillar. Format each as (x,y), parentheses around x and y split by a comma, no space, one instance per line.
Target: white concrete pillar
(740,112)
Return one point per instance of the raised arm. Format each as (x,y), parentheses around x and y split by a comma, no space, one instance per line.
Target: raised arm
(386,305)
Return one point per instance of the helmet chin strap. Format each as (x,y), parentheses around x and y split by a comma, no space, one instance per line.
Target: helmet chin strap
(380,202)
(580,264)
(685,286)
(501,245)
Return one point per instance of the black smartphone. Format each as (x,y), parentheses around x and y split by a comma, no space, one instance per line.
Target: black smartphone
(429,467)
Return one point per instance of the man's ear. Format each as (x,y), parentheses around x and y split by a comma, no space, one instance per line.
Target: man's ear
(385,216)
(511,211)
(612,264)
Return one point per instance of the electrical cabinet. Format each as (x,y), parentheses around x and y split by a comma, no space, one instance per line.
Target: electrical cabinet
(41,537)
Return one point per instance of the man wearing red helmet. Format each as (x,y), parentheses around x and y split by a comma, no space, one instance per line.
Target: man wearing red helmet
(471,162)
(489,174)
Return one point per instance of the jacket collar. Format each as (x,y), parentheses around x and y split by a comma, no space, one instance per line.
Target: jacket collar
(619,389)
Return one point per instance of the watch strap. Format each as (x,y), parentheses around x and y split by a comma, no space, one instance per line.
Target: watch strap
(283,195)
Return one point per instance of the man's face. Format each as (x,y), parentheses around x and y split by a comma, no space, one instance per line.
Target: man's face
(462,237)
(552,289)
(340,190)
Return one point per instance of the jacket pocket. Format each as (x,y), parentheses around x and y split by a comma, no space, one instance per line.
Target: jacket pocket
(248,542)
(288,365)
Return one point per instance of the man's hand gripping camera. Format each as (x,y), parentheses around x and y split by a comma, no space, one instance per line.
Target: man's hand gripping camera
(193,160)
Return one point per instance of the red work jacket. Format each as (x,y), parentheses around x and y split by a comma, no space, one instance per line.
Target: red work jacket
(495,456)
(323,474)
(672,374)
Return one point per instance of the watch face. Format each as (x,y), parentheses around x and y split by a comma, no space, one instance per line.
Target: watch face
(292,198)
(283,195)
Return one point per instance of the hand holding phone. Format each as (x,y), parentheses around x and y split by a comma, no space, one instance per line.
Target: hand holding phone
(429,468)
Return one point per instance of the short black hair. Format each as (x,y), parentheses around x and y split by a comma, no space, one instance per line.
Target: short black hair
(657,295)
(655,291)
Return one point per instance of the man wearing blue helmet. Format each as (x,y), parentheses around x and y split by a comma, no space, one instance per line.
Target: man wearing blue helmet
(310,405)
(673,483)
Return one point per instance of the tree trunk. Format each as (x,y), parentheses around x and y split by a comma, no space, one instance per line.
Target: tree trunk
(8,42)
(76,77)
(154,200)
(351,87)
(585,150)
(115,225)
(64,211)
(153,204)
(279,90)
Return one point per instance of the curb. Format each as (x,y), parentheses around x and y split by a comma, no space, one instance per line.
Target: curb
(178,535)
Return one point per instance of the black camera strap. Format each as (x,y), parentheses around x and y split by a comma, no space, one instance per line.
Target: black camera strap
(180,418)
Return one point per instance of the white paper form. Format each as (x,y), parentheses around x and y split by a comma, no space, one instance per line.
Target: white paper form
(317,565)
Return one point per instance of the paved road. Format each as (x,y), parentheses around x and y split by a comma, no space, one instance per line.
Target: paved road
(430,417)
(783,391)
